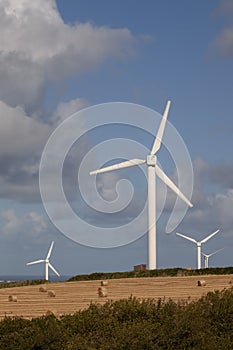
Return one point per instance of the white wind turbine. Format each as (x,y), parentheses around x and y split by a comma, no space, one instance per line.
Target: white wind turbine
(198,243)
(207,256)
(153,170)
(47,263)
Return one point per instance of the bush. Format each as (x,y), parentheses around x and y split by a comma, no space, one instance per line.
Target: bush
(129,324)
(153,273)
(22,283)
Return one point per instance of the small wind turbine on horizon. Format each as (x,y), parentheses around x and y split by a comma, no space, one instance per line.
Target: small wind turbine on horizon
(198,243)
(47,263)
(153,171)
(207,256)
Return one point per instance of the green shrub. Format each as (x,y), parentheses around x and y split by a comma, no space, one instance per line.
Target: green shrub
(22,283)
(171,272)
(129,324)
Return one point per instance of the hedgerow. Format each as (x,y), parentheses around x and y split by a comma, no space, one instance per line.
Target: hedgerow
(129,324)
(171,272)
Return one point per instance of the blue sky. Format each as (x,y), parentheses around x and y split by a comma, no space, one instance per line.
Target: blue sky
(59,57)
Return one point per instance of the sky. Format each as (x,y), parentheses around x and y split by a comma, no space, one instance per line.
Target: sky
(61,57)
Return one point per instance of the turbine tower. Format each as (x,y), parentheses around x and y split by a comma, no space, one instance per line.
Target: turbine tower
(207,256)
(152,170)
(198,243)
(47,263)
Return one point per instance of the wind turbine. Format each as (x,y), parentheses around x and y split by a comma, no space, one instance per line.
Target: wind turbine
(198,243)
(47,263)
(152,169)
(207,256)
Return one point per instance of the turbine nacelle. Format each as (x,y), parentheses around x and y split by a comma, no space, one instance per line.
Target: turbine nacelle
(151,160)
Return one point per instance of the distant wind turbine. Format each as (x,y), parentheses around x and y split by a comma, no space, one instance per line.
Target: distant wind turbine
(198,243)
(47,263)
(153,170)
(207,256)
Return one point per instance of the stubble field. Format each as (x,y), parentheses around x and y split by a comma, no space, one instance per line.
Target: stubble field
(73,296)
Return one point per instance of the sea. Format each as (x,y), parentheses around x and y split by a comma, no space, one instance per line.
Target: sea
(8,279)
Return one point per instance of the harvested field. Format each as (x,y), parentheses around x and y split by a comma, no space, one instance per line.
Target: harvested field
(73,296)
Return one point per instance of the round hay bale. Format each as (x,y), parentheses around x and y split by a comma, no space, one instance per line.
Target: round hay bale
(201,283)
(104,283)
(43,289)
(102,292)
(51,294)
(12,298)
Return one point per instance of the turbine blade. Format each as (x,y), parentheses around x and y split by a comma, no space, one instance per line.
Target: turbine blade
(122,165)
(205,255)
(159,136)
(207,238)
(50,250)
(171,184)
(186,237)
(35,262)
(216,252)
(52,268)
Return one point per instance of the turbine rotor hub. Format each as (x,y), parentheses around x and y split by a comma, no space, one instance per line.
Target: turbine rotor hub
(151,160)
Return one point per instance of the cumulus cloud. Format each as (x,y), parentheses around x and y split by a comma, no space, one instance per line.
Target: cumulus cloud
(212,205)
(20,135)
(225,8)
(37,52)
(32,223)
(66,109)
(37,47)
(224,41)
(22,140)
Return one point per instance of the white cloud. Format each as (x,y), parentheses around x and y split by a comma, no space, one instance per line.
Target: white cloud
(225,8)
(66,109)
(20,135)
(38,47)
(212,205)
(22,140)
(224,41)
(32,224)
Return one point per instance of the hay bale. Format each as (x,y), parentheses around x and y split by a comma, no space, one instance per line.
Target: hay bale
(104,283)
(12,298)
(201,283)
(51,294)
(102,292)
(43,289)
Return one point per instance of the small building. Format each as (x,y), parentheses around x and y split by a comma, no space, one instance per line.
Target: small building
(141,267)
